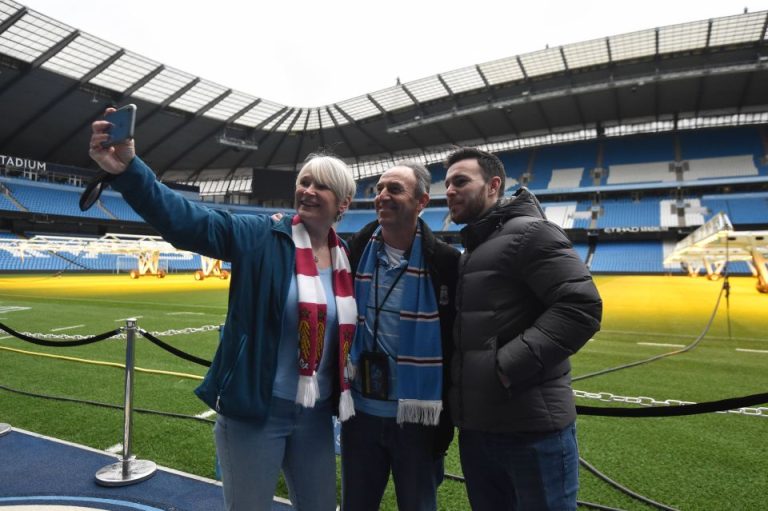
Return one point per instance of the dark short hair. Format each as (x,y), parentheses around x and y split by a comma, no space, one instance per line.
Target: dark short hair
(420,172)
(489,163)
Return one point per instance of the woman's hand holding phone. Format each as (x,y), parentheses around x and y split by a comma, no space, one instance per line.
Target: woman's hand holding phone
(112,155)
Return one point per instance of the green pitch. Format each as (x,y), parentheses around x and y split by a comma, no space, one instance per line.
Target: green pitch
(713,461)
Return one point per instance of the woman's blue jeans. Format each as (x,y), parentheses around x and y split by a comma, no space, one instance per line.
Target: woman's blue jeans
(295,439)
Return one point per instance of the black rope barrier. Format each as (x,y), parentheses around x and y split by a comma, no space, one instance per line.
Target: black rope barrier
(100,404)
(622,488)
(175,351)
(676,410)
(60,344)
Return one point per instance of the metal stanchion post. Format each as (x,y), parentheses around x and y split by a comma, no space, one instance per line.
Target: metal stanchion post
(4,428)
(129,470)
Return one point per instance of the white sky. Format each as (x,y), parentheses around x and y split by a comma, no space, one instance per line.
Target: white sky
(311,53)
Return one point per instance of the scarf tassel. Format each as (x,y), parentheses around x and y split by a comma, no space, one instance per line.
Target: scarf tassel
(308,390)
(416,411)
(346,406)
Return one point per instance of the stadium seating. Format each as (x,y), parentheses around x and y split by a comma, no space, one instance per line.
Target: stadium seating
(629,213)
(747,208)
(630,257)
(51,199)
(354,220)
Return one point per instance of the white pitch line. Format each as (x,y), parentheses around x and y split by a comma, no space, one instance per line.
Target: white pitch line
(66,328)
(6,337)
(205,414)
(745,350)
(660,344)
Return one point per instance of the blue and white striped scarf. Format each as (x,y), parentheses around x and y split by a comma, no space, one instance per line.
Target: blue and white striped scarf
(420,356)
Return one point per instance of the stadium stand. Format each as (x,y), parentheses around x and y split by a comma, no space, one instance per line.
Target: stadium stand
(629,257)
(636,165)
(354,220)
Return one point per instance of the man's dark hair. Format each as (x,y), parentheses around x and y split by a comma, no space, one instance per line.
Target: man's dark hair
(489,163)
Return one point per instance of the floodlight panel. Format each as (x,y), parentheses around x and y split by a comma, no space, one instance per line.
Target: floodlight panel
(124,72)
(543,62)
(464,79)
(686,36)
(393,98)
(198,96)
(587,53)
(427,89)
(229,106)
(743,28)
(164,85)
(633,45)
(502,71)
(31,36)
(80,56)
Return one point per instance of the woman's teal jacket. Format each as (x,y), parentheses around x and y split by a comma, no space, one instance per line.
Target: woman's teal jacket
(239,381)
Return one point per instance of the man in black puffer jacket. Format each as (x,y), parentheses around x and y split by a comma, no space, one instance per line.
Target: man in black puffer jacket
(526,303)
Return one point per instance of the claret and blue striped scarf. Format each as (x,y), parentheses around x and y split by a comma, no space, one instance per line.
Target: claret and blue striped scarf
(420,358)
(313,309)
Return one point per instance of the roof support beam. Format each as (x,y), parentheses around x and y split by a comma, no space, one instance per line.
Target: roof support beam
(321,130)
(286,112)
(341,133)
(388,116)
(167,101)
(12,19)
(744,92)
(219,154)
(59,97)
(191,117)
(301,141)
(39,61)
(469,120)
(489,90)
(701,87)
(423,115)
(362,130)
(282,139)
(100,109)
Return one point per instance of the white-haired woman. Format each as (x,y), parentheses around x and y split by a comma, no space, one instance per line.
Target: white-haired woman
(279,372)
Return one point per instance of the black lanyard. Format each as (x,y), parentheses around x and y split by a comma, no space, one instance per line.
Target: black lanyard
(378,308)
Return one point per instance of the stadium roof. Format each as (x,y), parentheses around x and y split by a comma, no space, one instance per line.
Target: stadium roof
(55,79)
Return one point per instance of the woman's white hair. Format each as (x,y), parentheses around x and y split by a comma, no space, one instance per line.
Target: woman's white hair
(331,172)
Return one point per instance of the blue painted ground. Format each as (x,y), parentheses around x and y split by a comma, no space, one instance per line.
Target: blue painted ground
(38,472)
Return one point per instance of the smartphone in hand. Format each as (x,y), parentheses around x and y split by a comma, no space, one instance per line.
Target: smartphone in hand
(123,121)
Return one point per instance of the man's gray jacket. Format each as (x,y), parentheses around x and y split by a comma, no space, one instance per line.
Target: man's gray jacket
(526,303)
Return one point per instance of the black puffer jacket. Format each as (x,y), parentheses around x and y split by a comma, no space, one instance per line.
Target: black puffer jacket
(526,303)
(442,262)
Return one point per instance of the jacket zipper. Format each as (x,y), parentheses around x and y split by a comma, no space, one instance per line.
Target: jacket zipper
(228,376)
(459,302)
